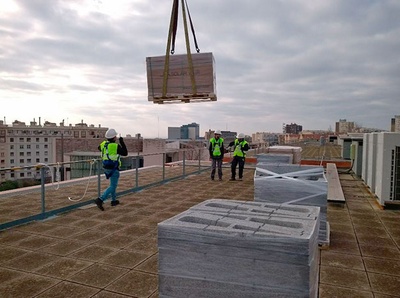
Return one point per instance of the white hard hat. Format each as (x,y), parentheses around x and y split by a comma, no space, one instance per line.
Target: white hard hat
(217,132)
(241,136)
(111,133)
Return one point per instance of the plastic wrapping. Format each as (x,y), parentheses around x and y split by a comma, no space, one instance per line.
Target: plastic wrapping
(294,185)
(223,248)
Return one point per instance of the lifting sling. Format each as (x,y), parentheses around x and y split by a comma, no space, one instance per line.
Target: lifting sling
(171,43)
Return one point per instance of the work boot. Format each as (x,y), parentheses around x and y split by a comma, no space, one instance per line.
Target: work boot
(99,204)
(240,179)
(114,203)
(232,179)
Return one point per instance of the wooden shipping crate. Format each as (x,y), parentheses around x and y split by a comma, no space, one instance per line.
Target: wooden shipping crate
(179,84)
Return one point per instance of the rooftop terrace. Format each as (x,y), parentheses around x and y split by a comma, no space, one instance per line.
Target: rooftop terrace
(89,253)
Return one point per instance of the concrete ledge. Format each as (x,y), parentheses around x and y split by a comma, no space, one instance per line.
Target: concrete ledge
(335,192)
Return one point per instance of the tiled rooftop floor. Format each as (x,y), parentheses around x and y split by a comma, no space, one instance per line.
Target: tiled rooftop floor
(89,253)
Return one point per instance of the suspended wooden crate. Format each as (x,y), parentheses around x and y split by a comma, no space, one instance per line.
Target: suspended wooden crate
(179,84)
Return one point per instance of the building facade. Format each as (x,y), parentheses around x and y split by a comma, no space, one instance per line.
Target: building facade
(24,145)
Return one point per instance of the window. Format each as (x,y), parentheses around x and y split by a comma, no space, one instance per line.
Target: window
(29,160)
(21,154)
(28,146)
(11,140)
(28,153)
(28,139)
(37,139)
(12,147)
(11,153)
(46,159)
(21,139)
(21,146)
(46,153)
(37,159)
(22,175)
(46,146)
(21,160)
(11,161)
(37,146)
(37,153)
(46,140)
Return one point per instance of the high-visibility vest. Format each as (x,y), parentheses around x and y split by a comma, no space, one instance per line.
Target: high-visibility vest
(238,148)
(216,146)
(109,152)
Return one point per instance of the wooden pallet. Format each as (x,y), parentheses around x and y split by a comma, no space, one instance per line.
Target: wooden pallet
(183,98)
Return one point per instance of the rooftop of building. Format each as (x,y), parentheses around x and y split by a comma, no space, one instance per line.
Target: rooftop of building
(89,253)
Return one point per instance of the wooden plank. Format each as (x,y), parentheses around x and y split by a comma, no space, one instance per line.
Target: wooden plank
(335,192)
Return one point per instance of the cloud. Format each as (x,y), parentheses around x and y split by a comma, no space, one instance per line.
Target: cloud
(309,62)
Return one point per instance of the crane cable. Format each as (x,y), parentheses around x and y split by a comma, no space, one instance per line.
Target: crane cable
(171,43)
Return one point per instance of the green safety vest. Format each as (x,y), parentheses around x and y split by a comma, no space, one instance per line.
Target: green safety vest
(216,146)
(238,148)
(109,152)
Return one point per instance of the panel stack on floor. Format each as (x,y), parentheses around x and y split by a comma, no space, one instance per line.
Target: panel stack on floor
(223,248)
(294,185)
(275,158)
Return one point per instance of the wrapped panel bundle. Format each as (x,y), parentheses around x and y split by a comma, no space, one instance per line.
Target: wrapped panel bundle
(294,185)
(179,84)
(231,249)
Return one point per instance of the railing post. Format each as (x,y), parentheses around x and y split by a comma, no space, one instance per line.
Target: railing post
(43,189)
(199,160)
(163,166)
(137,171)
(98,168)
(184,163)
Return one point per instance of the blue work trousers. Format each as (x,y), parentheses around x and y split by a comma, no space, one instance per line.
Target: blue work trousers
(112,189)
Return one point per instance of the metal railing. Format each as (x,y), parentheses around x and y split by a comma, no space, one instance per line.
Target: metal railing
(23,205)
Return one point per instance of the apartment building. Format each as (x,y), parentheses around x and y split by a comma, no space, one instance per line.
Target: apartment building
(24,146)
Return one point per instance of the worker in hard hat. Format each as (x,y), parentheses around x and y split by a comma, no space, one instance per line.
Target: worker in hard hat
(240,146)
(216,149)
(111,153)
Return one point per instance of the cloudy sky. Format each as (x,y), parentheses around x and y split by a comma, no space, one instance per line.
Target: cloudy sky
(278,61)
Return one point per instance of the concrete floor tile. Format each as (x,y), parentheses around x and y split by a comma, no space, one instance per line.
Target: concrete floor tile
(341,277)
(342,260)
(150,265)
(63,247)
(378,231)
(63,232)
(383,266)
(30,261)
(385,284)
(10,237)
(63,268)
(67,289)
(137,284)
(36,227)
(344,246)
(145,244)
(328,291)
(93,253)
(89,236)
(137,231)
(36,242)
(108,294)
(116,240)
(389,251)
(9,274)
(125,258)
(375,240)
(27,285)
(98,275)
(8,253)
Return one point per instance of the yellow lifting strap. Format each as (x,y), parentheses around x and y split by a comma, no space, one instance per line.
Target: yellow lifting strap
(171,40)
